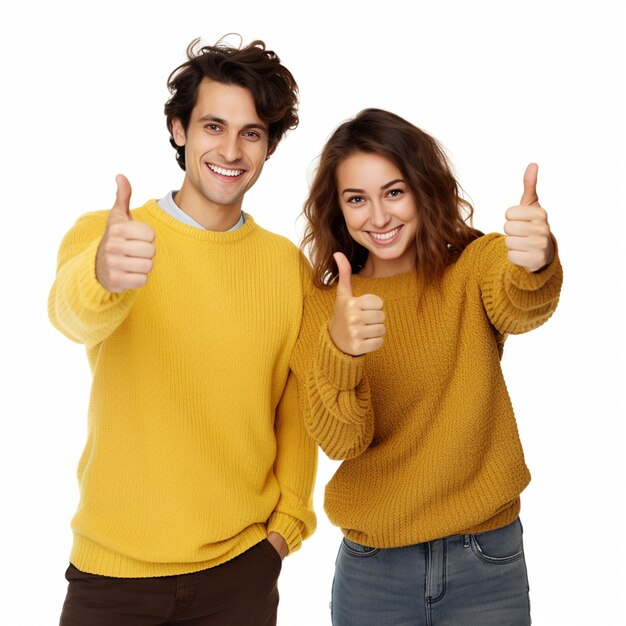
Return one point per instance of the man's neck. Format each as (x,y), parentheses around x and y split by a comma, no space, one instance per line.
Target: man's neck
(211,216)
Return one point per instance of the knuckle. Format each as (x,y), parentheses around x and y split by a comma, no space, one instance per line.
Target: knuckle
(110,248)
(117,230)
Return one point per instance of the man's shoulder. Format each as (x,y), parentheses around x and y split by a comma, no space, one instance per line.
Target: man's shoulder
(88,225)
(280,243)
(92,217)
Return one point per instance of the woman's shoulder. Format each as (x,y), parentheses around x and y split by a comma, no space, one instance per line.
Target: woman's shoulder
(480,251)
(479,244)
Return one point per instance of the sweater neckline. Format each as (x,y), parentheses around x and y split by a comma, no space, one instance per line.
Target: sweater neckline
(209,236)
(396,286)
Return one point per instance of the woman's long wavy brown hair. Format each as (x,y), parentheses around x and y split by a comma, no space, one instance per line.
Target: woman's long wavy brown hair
(444,225)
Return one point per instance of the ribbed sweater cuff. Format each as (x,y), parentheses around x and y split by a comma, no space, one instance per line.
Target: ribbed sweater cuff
(288,527)
(343,371)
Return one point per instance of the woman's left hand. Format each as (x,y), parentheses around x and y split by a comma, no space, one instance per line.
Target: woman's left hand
(529,240)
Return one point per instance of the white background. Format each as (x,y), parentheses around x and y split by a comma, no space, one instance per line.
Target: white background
(500,84)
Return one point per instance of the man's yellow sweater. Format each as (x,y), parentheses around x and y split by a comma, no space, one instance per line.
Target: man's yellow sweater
(196,445)
(425,423)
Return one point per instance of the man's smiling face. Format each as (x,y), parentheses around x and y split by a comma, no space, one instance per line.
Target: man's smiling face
(226,145)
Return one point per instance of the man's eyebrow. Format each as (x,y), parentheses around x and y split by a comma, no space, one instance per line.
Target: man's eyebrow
(385,186)
(219,120)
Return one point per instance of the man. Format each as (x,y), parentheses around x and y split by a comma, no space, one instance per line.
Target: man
(197,475)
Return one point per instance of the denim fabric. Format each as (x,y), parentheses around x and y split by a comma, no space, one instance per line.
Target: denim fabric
(462,580)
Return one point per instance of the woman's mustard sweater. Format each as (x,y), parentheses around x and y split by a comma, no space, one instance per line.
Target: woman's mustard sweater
(425,424)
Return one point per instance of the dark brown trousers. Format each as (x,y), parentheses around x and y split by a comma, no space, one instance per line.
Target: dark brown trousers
(240,592)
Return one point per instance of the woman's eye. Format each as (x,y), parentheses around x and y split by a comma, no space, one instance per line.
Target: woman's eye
(356,199)
(394,193)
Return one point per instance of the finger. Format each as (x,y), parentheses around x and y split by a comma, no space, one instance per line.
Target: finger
(139,231)
(369,302)
(132,231)
(131,265)
(371,331)
(344,286)
(516,243)
(526,244)
(139,249)
(518,228)
(135,249)
(532,260)
(369,345)
(120,211)
(530,196)
(527,214)
(135,281)
(372,317)
(119,281)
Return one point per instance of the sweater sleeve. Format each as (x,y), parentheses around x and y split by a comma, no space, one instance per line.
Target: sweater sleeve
(515,299)
(339,413)
(295,468)
(296,457)
(78,305)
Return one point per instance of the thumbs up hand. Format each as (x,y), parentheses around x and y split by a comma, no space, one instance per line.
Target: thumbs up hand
(357,325)
(124,257)
(529,242)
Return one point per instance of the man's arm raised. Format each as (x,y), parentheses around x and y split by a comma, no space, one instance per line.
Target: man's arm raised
(102,261)
(125,253)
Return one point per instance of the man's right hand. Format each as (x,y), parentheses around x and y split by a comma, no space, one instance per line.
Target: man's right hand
(357,325)
(124,257)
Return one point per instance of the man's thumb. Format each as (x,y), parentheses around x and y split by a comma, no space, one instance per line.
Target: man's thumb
(344,286)
(120,211)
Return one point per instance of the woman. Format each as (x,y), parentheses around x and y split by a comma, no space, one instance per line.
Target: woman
(399,369)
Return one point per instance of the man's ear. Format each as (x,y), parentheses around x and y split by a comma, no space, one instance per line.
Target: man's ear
(270,150)
(178,133)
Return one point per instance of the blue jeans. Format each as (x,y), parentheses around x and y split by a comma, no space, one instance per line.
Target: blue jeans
(462,580)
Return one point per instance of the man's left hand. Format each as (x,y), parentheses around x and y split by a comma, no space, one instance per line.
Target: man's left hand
(279,544)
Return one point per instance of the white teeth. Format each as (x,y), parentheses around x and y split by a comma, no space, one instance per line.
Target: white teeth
(385,236)
(224,172)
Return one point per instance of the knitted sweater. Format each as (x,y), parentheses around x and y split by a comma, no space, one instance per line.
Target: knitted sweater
(196,445)
(425,423)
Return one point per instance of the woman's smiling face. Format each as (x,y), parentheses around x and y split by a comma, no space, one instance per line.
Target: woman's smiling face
(380,212)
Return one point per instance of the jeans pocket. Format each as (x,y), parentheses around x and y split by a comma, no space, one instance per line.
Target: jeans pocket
(357,550)
(500,546)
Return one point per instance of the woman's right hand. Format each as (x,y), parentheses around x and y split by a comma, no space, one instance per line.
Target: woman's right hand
(358,324)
